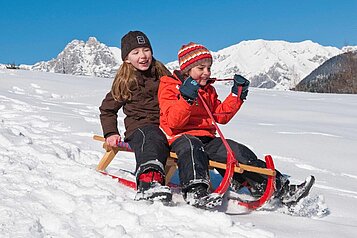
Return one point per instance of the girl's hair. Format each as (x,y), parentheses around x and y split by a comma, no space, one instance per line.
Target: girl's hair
(125,81)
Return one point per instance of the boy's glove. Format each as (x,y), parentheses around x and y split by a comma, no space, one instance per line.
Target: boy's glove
(240,81)
(189,89)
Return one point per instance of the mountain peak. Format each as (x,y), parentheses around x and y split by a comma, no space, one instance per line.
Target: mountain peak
(90,58)
(92,39)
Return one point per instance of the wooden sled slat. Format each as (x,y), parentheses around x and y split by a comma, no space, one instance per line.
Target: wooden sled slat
(107,158)
(171,162)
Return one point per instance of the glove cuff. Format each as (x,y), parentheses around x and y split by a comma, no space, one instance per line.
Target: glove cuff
(188,100)
(234,89)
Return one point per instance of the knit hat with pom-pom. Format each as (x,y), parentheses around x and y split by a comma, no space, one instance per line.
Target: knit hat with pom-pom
(191,55)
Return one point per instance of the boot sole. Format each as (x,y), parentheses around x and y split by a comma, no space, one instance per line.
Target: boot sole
(304,194)
(210,202)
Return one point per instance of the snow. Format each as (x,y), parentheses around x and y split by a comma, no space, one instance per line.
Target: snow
(49,186)
(117,54)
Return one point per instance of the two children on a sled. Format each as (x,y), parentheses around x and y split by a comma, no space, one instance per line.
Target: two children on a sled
(164,113)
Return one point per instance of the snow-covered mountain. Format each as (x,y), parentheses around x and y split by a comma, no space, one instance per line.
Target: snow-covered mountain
(272,64)
(336,75)
(84,58)
(268,64)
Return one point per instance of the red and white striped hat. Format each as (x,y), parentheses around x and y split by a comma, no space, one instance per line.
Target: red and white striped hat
(191,55)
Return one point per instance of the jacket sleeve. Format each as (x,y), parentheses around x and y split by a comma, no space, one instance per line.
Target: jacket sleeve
(224,111)
(108,115)
(175,110)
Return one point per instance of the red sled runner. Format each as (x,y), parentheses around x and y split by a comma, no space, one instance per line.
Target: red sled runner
(232,166)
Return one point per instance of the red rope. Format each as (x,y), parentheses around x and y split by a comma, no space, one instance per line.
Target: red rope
(231,160)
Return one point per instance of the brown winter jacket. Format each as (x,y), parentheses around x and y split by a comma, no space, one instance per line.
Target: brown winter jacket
(142,110)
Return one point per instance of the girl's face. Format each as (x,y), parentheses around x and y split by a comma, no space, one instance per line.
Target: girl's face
(201,73)
(140,58)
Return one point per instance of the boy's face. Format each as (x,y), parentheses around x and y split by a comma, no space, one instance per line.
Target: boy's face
(201,73)
(140,58)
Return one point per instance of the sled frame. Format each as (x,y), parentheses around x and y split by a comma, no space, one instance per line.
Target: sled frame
(172,162)
(171,167)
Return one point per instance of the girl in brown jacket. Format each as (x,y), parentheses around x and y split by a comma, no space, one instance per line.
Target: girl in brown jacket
(135,90)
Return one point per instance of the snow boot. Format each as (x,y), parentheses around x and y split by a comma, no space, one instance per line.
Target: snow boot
(150,187)
(255,190)
(292,194)
(198,196)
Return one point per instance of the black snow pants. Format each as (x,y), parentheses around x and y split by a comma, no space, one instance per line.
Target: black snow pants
(195,152)
(151,149)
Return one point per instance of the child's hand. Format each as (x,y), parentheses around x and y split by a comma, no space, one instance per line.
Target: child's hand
(189,89)
(243,82)
(113,140)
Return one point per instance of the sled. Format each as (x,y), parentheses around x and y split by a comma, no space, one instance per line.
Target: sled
(231,166)
(171,167)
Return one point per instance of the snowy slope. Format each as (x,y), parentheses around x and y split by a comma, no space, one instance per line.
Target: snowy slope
(49,187)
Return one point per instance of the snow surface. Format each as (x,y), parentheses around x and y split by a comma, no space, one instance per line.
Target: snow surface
(49,186)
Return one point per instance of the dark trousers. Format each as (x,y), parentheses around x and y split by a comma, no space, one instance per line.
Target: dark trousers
(192,161)
(151,149)
(194,153)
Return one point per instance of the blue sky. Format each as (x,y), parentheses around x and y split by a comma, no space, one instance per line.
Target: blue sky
(31,31)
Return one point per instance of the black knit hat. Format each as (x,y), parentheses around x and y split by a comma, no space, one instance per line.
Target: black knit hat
(132,40)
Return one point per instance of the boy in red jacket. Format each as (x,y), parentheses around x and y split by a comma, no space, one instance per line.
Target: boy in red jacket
(192,135)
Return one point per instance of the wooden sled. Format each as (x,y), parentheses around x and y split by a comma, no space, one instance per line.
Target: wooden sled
(171,167)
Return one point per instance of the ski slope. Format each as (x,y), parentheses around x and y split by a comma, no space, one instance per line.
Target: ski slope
(49,186)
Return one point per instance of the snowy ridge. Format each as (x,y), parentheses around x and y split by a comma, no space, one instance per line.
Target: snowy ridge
(49,186)
(349,48)
(90,58)
(269,64)
(336,75)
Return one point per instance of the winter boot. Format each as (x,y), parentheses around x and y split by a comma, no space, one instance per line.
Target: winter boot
(236,186)
(292,194)
(198,196)
(256,190)
(150,187)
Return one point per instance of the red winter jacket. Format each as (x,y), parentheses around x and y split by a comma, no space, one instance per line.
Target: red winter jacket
(178,117)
